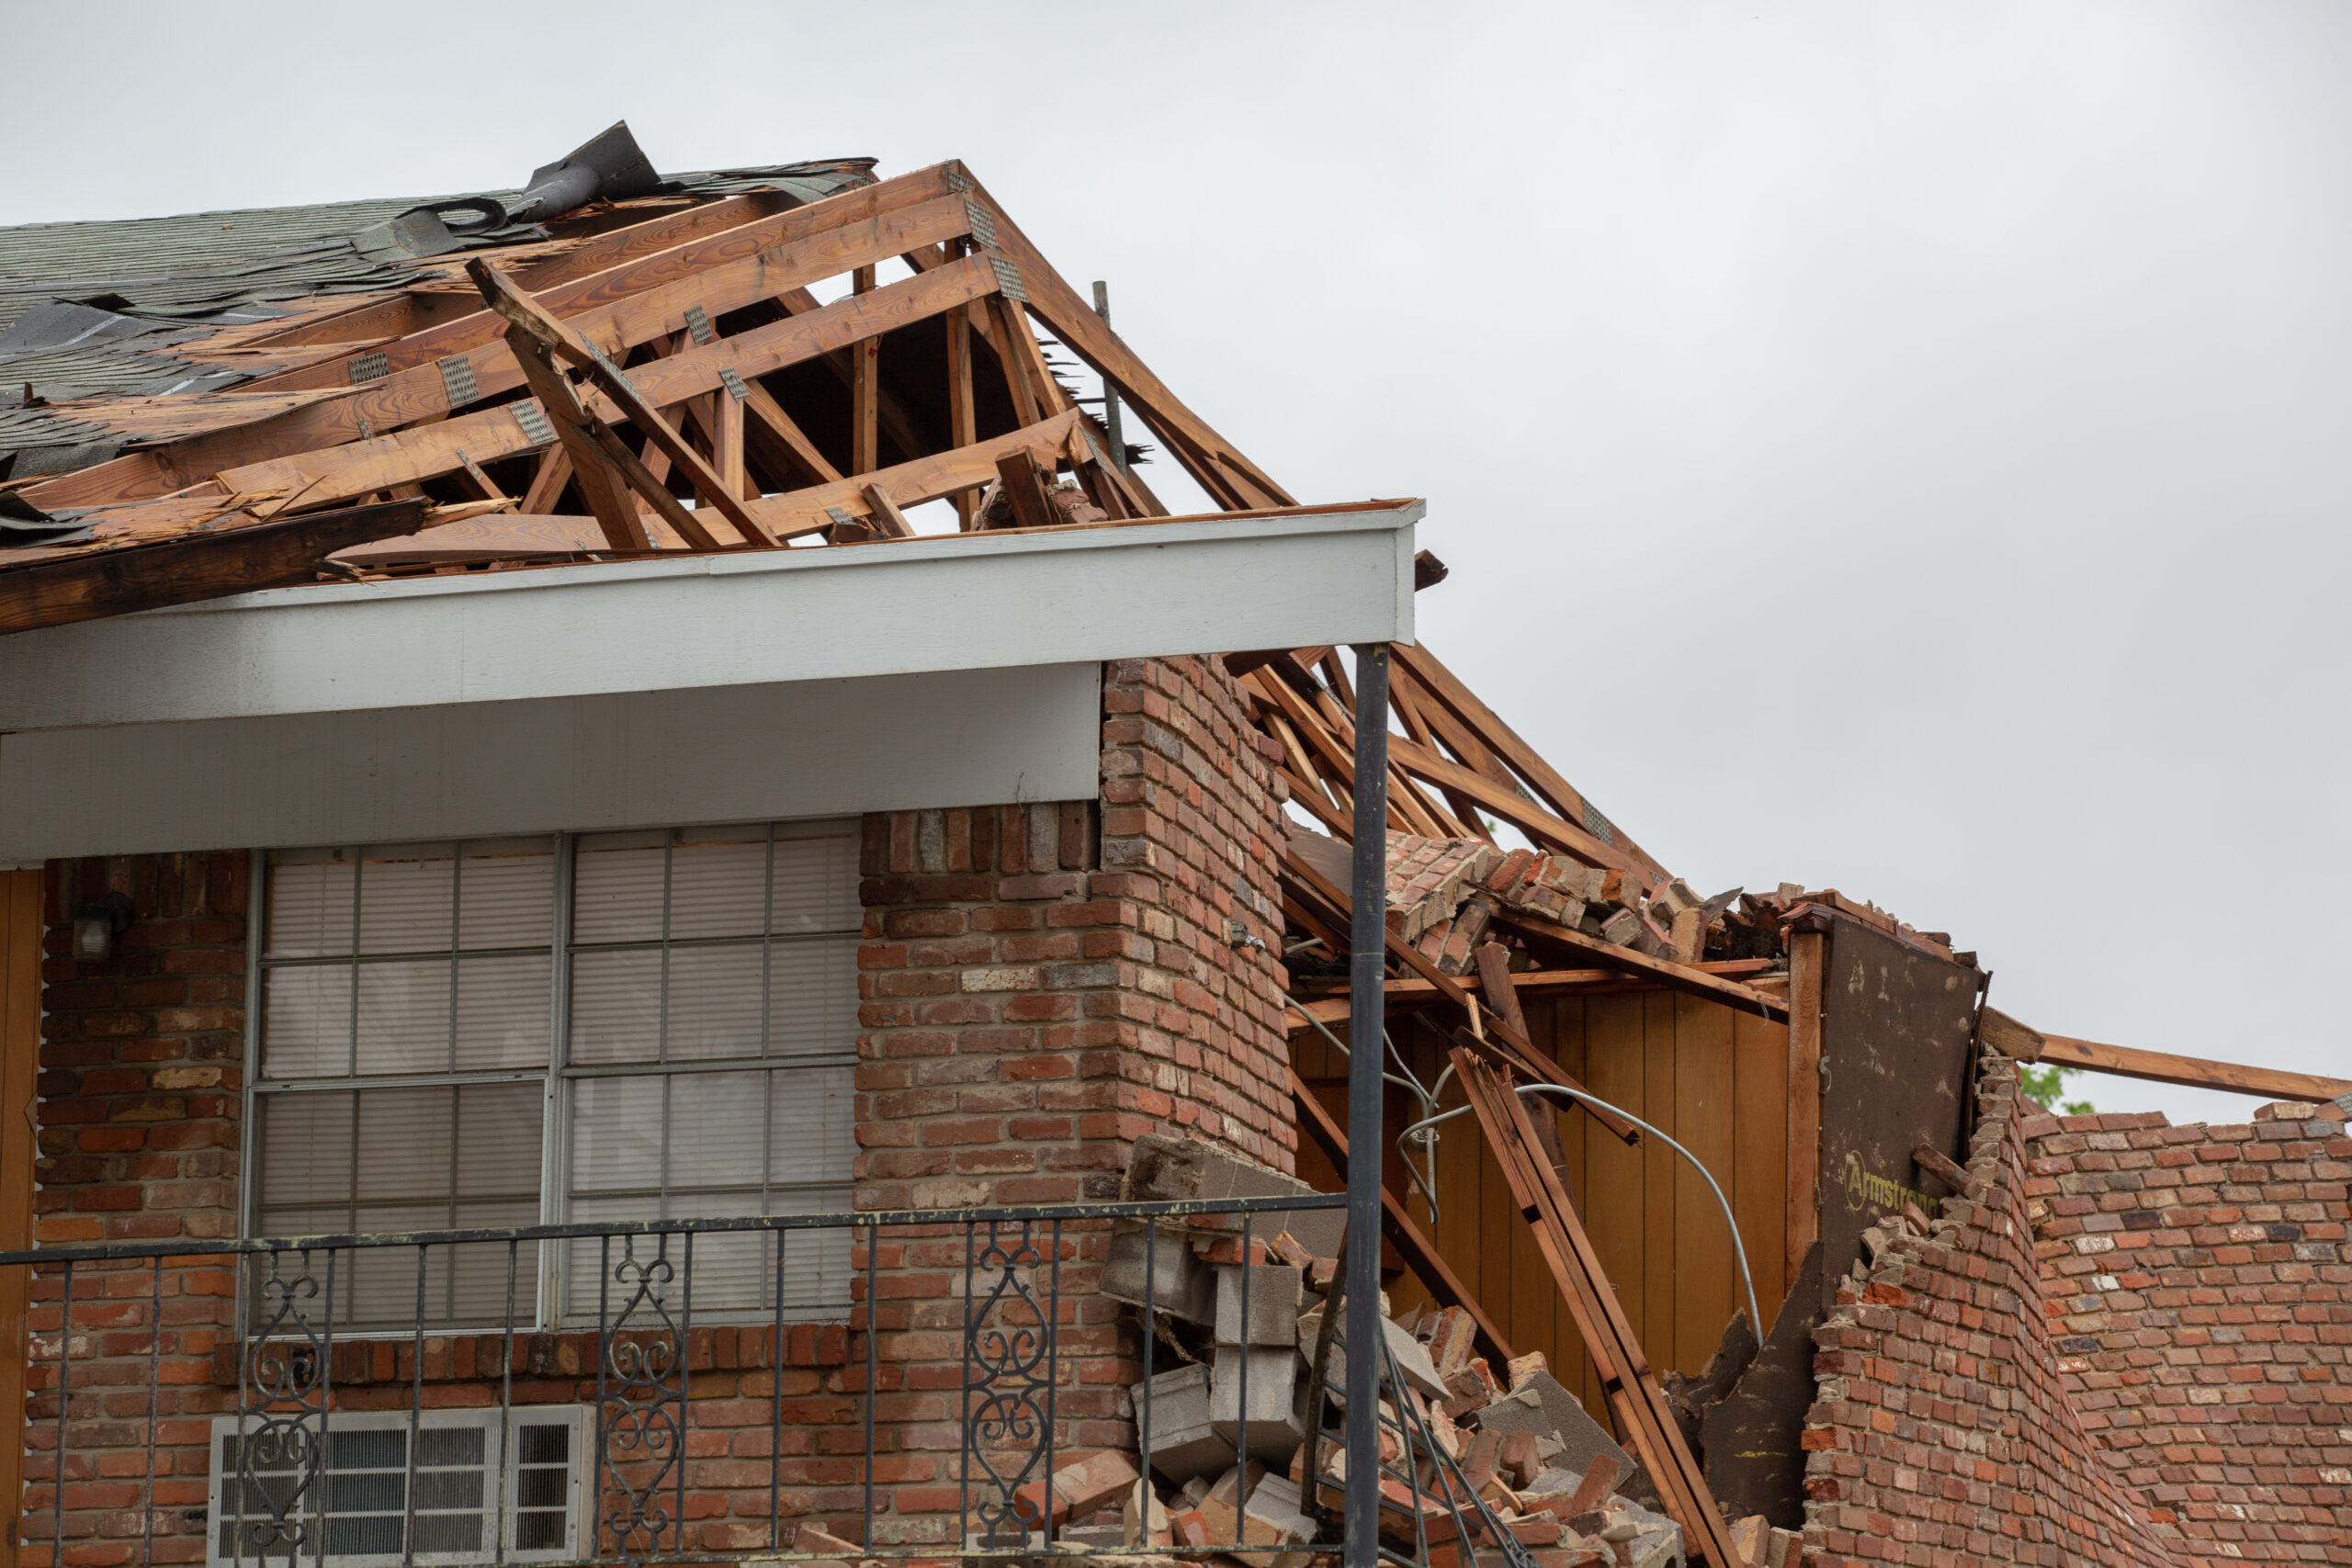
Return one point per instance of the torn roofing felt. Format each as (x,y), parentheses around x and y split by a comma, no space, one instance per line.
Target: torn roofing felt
(99,309)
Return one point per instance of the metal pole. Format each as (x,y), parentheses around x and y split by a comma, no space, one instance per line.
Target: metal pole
(1366,1003)
(1110,390)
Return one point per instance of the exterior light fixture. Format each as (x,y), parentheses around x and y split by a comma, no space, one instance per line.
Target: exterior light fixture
(96,926)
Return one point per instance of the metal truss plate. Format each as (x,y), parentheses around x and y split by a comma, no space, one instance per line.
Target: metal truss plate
(699,325)
(458,380)
(1008,278)
(369,367)
(734,384)
(982,221)
(534,421)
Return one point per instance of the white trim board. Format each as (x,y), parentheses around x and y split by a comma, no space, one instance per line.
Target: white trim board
(957,602)
(623,759)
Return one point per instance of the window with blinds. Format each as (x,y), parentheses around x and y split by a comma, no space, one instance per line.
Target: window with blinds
(619,1026)
(457,1486)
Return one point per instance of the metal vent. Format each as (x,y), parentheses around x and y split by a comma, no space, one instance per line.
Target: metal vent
(734,384)
(982,221)
(1598,825)
(699,325)
(534,421)
(1008,278)
(369,367)
(458,380)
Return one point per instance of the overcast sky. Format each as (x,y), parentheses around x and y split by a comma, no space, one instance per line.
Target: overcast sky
(1894,447)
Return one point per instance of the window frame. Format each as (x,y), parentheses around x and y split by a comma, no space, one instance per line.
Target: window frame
(498,1426)
(561,1075)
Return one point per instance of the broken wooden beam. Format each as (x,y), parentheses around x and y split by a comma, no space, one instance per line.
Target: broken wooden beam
(87,585)
(1631,1386)
(2191,1072)
(1412,1244)
(1687,978)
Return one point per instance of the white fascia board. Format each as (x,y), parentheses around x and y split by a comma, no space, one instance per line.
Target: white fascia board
(615,760)
(958,601)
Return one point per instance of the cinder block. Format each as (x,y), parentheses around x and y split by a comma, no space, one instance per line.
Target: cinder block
(1158,1259)
(1186,1442)
(1274,1295)
(1174,1170)
(1275,1392)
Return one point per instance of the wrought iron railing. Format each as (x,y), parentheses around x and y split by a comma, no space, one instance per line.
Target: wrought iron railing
(331,1409)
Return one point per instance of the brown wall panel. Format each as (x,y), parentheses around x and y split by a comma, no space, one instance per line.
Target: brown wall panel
(1716,1079)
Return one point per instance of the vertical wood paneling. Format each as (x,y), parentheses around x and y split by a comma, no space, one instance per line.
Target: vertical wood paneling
(1570,1362)
(1760,1050)
(1714,1079)
(1612,1189)
(20,943)
(1704,1123)
(1659,1213)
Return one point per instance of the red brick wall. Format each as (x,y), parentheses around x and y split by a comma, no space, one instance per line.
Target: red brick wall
(2125,1345)
(1041,985)
(2199,1285)
(141,1067)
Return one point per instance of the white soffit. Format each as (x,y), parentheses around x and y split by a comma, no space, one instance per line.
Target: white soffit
(958,602)
(710,754)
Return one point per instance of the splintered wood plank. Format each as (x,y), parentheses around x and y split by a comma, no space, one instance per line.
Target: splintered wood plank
(1659,1213)
(1759,1193)
(1616,1212)
(228,559)
(1706,1276)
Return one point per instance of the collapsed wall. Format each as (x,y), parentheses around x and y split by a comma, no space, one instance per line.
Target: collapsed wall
(2123,1344)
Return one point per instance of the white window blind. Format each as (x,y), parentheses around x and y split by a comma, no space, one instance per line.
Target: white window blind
(480,1487)
(424,1058)
(714,991)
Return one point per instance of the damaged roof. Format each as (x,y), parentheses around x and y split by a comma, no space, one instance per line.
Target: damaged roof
(97,309)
